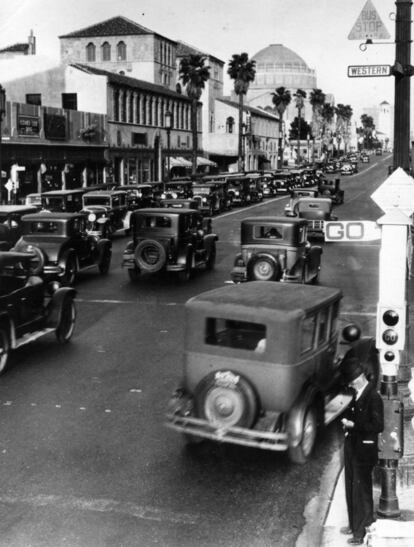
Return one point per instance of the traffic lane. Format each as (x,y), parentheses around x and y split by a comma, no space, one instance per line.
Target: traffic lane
(91,443)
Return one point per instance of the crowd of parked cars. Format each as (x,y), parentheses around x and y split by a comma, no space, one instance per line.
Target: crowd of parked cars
(249,376)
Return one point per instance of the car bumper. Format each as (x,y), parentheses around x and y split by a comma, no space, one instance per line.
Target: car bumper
(239,275)
(53,270)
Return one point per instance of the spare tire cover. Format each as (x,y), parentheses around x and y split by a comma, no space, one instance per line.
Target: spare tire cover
(226,399)
(264,268)
(150,255)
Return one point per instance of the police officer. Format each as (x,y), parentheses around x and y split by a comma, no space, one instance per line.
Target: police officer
(363,420)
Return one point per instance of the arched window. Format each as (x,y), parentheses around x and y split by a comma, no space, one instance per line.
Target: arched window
(106,51)
(121,51)
(229,125)
(91,52)
(178,88)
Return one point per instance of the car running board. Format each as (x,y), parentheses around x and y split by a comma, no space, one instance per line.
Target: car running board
(336,406)
(29,337)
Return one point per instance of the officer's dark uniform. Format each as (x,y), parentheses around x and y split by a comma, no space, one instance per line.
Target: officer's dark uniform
(361,453)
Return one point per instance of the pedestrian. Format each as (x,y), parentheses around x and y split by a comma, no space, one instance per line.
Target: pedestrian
(363,420)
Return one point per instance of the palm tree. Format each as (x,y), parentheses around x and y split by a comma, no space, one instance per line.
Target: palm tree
(242,70)
(327,113)
(317,100)
(300,95)
(194,75)
(281,99)
(343,117)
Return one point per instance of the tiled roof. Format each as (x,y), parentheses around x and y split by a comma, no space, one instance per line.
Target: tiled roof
(185,49)
(15,48)
(120,79)
(116,26)
(252,109)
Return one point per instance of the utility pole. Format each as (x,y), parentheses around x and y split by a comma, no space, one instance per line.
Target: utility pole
(402,71)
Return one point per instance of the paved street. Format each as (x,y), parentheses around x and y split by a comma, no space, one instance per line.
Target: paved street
(86,460)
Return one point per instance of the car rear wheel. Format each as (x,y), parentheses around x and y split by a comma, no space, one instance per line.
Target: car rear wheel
(302,451)
(4,350)
(67,319)
(226,399)
(150,255)
(263,268)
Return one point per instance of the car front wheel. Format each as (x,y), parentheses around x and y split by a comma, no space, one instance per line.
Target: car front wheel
(70,270)
(302,451)
(4,350)
(67,319)
(105,262)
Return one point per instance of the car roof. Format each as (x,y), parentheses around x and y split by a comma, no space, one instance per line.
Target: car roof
(266,298)
(52,216)
(65,192)
(164,211)
(105,192)
(16,208)
(317,200)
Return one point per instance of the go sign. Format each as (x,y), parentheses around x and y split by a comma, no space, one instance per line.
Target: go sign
(352,230)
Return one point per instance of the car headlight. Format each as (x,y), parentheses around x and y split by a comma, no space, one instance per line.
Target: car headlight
(237,193)
(204,200)
(163,196)
(92,217)
(174,195)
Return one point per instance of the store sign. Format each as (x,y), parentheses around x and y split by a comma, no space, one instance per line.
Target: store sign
(28,126)
(55,126)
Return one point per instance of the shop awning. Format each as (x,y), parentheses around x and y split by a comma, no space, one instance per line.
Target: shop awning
(179,162)
(205,161)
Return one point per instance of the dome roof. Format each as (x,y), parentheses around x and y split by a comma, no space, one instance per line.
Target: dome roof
(277,54)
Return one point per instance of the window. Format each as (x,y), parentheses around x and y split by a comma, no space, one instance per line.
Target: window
(70,101)
(34,98)
(268,232)
(236,334)
(139,138)
(308,333)
(121,51)
(106,51)
(323,325)
(229,125)
(91,52)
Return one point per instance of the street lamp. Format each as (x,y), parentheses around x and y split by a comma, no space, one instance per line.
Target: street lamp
(168,125)
(2,112)
(308,143)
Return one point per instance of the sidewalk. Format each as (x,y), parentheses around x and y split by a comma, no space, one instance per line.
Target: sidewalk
(384,532)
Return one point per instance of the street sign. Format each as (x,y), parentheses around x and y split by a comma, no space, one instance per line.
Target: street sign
(9,185)
(358,71)
(351,230)
(396,192)
(369,25)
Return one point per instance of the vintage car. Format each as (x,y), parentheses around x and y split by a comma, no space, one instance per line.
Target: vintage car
(29,307)
(208,198)
(182,189)
(283,183)
(157,191)
(10,223)
(332,189)
(138,195)
(378,151)
(61,246)
(364,157)
(106,211)
(222,188)
(276,249)
(34,200)
(63,201)
(168,240)
(269,186)
(244,189)
(347,168)
(261,366)
(331,167)
(295,195)
(316,211)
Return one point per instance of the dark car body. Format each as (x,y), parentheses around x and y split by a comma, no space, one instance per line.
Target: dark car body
(106,211)
(244,189)
(168,240)
(316,211)
(276,249)
(332,189)
(260,367)
(221,186)
(62,245)
(283,183)
(176,189)
(295,195)
(208,198)
(29,308)
(63,201)
(10,223)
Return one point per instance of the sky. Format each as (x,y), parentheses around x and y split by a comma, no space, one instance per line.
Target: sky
(317,30)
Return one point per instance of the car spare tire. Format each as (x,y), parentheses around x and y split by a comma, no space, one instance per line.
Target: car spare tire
(263,268)
(226,399)
(150,255)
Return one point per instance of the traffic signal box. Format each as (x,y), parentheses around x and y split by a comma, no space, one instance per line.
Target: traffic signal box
(391,327)
(391,440)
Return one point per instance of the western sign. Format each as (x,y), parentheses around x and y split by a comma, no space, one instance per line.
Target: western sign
(351,230)
(369,25)
(361,71)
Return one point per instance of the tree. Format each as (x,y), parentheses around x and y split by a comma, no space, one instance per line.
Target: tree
(367,131)
(343,118)
(281,99)
(300,97)
(327,113)
(317,100)
(194,75)
(299,130)
(242,70)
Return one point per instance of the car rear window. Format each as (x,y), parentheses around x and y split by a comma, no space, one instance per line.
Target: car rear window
(308,333)
(44,227)
(268,232)
(153,222)
(235,334)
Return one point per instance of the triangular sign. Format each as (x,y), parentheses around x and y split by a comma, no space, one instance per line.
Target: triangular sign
(369,25)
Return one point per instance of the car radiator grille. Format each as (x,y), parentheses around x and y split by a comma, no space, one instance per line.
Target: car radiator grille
(316,224)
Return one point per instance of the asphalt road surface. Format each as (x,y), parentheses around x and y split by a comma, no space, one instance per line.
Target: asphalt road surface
(85,458)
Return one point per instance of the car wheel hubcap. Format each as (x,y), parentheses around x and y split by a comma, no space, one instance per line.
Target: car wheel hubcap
(263,270)
(223,407)
(150,255)
(309,432)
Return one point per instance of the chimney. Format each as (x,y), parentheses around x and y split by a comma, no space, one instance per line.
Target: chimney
(32,43)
